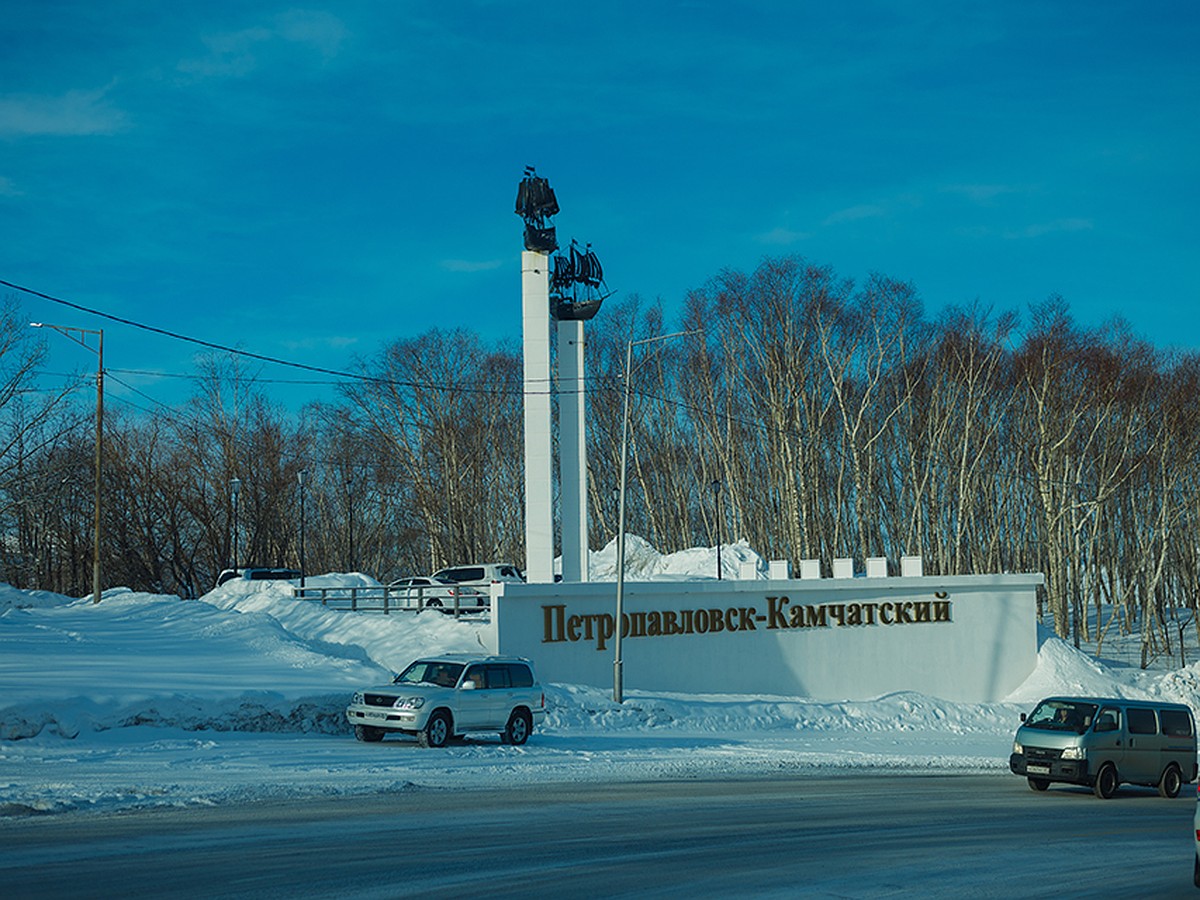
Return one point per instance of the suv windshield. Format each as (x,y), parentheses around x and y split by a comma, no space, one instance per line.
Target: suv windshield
(423,671)
(1062,715)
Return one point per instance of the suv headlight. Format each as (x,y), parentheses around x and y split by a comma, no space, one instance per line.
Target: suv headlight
(1017,748)
(1073,753)
(408,703)
(358,699)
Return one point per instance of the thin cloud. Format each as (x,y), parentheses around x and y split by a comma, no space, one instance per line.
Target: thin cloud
(980,193)
(71,114)
(230,55)
(236,54)
(468,265)
(320,31)
(783,237)
(856,213)
(330,342)
(1058,226)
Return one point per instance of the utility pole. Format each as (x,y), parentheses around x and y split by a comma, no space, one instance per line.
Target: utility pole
(79,336)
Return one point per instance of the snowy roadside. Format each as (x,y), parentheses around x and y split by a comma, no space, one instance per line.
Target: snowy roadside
(146,700)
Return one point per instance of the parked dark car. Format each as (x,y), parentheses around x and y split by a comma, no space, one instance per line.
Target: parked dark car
(257,573)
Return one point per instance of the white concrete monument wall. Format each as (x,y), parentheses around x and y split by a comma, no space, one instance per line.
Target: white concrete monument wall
(966,638)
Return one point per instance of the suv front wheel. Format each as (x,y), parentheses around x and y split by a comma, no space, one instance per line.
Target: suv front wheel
(436,731)
(367,733)
(519,726)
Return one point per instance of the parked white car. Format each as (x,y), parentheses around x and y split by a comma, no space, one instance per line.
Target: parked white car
(440,697)
(257,573)
(439,593)
(481,575)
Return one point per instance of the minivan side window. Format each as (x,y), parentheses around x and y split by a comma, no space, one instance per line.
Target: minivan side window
(1175,722)
(1108,720)
(1142,721)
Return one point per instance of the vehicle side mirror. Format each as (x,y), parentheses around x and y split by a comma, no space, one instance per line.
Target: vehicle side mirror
(1022,717)
(468,686)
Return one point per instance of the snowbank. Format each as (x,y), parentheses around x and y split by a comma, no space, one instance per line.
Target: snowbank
(146,699)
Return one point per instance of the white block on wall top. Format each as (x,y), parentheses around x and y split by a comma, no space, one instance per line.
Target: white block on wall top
(877,567)
(843,568)
(780,569)
(810,569)
(911,567)
(747,571)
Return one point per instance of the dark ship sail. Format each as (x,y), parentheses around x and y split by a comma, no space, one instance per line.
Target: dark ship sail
(535,198)
(535,204)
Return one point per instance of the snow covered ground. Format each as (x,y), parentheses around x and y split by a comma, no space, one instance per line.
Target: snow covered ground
(145,700)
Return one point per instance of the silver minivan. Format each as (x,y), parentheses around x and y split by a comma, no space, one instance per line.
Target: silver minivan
(1102,743)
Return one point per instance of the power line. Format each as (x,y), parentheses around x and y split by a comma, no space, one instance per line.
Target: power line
(223,348)
(150,373)
(179,337)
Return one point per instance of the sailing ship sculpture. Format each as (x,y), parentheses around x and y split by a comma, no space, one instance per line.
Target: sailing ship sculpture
(535,204)
(577,284)
(577,280)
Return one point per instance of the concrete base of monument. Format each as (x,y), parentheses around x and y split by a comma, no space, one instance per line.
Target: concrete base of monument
(962,638)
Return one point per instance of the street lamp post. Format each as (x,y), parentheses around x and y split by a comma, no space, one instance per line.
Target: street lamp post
(618,662)
(235,488)
(79,336)
(716,486)
(300,479)
(350,519)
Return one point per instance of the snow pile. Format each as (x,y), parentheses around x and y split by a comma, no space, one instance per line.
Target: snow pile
(14,598)
(1062,669)
(644,563)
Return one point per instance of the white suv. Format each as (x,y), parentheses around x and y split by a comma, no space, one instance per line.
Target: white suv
(439,593)
(481,575)
(439,697)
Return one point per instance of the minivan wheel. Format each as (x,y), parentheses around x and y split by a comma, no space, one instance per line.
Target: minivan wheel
(1106,781)
(436,731)
(1038,784)
(1170,783)
(518,728)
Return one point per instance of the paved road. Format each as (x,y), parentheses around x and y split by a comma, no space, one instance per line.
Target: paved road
(832,835)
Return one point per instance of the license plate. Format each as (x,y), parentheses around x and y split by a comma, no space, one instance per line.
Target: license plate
(375,715)
(1038,770)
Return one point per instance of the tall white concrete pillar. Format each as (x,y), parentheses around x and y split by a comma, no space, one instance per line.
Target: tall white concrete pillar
(572,451)
(539,449)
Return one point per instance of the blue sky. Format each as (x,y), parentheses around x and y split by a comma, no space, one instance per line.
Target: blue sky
(311,182)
